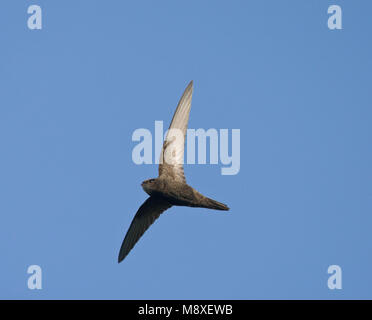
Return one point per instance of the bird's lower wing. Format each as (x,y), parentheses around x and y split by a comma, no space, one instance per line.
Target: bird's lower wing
(148,212)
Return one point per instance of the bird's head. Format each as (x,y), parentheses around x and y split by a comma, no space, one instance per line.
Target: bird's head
(148,185)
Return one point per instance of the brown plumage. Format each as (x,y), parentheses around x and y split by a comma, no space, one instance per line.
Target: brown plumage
(170,188)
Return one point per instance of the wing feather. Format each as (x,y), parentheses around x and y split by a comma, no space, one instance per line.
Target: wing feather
(172,154)
(147,213)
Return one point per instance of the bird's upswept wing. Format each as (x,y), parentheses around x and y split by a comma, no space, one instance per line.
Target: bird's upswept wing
(148,212)
(171,157)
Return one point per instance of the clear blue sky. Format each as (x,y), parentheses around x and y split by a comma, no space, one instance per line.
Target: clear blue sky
(73,93)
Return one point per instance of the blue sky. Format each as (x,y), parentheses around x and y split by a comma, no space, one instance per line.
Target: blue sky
(73,93)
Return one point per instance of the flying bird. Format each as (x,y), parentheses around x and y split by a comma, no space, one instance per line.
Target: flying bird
(170,187)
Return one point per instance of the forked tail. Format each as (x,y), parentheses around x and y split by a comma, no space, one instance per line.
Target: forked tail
(213,204)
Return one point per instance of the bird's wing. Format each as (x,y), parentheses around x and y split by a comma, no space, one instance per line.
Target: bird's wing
(171,157)
(148,212)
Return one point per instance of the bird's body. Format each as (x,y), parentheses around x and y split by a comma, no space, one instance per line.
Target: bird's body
(179,194)
(170,188)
